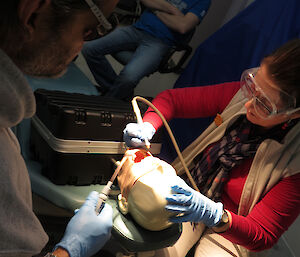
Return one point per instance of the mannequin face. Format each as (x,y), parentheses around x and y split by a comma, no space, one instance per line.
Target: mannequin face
(151,180)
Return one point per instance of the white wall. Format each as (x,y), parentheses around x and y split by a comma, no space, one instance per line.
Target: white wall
(291,240)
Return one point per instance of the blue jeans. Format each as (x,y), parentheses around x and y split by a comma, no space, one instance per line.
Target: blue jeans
(148,52)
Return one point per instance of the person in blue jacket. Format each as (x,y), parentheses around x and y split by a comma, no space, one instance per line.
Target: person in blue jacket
(162,25)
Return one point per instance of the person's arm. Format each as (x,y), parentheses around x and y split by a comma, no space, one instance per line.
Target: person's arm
(194,102)
(191,102)
(163,6)
(269,219)
(181,24)
(185,23)
(260,230)
(86,232)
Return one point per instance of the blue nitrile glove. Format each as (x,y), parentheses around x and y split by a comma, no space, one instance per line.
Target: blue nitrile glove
(86,232)
(135,134)
(193,206)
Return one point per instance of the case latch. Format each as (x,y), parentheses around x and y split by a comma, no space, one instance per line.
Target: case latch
(105,119)
(80,116)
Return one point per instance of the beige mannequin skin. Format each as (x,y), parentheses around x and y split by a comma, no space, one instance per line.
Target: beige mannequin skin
(148,182)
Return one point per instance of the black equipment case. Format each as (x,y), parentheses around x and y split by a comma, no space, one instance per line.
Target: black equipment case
(76,137)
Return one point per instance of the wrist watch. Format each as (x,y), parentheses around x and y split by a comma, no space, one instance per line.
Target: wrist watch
(224,220)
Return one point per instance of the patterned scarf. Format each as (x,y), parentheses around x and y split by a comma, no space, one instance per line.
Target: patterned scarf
(241,140)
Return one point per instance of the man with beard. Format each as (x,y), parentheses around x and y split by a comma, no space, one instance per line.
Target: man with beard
(40,38)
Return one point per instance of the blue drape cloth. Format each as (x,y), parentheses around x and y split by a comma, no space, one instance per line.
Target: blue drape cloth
(240,44)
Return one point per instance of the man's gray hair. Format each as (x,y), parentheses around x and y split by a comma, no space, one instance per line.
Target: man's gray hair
(12,31)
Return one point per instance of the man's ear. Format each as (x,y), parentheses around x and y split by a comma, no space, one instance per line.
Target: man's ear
(28,11)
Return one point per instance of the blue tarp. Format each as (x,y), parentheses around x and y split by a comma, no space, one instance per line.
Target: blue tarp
(240,44)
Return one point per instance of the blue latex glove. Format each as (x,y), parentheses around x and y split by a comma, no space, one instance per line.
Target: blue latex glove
(135,134)
(86,233)
(193,206)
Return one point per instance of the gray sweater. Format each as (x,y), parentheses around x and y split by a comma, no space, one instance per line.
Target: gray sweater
(21,234)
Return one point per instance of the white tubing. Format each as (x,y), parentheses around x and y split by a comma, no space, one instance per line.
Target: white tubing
(134,103)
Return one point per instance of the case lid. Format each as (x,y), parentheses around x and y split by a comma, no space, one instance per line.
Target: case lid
(83,146)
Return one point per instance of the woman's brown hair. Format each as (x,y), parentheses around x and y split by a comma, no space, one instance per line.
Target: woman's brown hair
(283,66)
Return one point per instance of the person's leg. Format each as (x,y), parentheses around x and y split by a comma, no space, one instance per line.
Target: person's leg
(212,244)
(94,53)
(190,235)
(144,61)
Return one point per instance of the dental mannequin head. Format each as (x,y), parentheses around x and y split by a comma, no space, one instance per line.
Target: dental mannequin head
(144,181)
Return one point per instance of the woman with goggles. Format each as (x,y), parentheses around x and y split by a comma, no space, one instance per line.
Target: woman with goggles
(246,164)
(267,99)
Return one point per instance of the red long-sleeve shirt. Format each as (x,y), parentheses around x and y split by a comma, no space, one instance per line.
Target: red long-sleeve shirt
(276,211)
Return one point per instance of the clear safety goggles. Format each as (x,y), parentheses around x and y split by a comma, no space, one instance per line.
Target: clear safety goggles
(263,105)
(105,25)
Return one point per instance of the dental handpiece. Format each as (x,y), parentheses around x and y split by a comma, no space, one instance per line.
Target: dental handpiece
(103,196)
